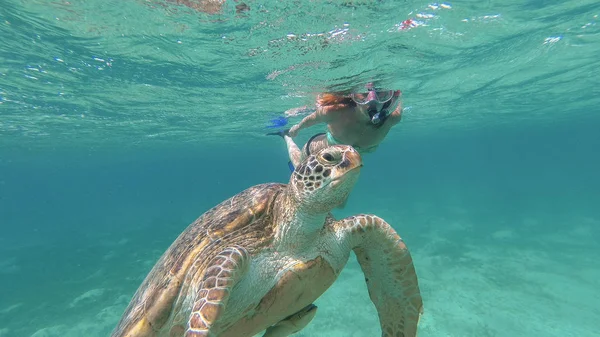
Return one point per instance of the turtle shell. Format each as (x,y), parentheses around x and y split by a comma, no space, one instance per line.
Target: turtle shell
(245,219)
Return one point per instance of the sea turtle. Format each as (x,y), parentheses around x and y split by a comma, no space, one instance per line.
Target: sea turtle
(259,260)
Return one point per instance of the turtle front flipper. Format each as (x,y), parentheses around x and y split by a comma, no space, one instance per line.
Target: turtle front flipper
(389,273)
(224,271)
(293,323)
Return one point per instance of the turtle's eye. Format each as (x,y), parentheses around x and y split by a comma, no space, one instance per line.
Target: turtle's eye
(328,157)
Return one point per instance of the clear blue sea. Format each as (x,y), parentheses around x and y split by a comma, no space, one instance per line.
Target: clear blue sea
(123,121)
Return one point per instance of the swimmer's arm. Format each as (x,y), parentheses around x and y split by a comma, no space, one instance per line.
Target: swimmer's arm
(317,117)
(297,111)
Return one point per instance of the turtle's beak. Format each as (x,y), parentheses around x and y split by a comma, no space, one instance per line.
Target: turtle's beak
(352,160)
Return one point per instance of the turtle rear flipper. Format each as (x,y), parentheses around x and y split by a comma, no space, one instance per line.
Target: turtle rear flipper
(389,272)
(226,269)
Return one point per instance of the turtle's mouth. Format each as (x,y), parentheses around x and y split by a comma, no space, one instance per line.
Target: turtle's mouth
(357,167)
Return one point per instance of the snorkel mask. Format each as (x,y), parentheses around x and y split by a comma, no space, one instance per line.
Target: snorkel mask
(379,102)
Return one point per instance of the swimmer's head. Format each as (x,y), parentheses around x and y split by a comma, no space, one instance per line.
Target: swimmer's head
(378,103)
(374,95)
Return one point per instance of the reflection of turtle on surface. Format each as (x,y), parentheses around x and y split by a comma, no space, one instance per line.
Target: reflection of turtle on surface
(261,258)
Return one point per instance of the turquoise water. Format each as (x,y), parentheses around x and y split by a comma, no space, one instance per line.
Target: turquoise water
(123,121)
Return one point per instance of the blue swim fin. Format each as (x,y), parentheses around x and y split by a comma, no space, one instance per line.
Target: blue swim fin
(278,122)
(291,166)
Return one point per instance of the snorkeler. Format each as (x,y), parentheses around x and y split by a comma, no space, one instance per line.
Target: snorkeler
(361,119)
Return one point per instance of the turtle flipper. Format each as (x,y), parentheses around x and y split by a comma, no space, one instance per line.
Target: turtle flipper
(225,270)
(293,323)
(389,273)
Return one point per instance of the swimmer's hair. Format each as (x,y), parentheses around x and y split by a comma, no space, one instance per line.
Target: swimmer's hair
(335,100)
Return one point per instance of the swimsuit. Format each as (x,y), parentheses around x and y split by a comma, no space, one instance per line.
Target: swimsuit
(331,140)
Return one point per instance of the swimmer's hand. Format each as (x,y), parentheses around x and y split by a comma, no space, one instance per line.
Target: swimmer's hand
(294,131)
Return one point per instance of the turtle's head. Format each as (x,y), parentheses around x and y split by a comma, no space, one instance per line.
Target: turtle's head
(324,180)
